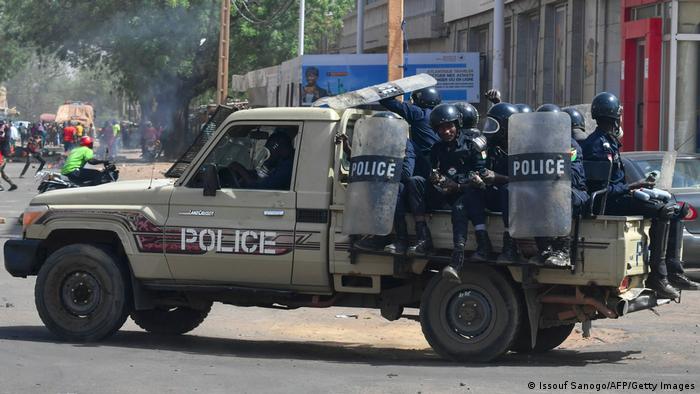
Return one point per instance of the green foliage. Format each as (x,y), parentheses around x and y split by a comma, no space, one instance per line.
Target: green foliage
(12,54)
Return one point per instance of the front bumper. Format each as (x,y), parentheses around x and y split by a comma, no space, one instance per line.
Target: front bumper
(22,257)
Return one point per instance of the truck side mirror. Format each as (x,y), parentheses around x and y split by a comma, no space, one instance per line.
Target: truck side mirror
(211,180)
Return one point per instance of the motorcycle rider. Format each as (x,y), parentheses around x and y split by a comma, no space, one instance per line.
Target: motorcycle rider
(556,251)
(604,145)
(74,167)
(417,114)
(456,163)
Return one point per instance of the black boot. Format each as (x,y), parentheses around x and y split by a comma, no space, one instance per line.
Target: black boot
(682,282)
(510,253)
(400,244)
(483,246)
(544,250)
(451,272)
(560,256)
(372,243)
(662,287)
(676,277)
(424,242)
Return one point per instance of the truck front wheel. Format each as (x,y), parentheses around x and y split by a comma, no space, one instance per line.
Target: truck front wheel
(472,321)
(547,338)
(170,321)
(81,293)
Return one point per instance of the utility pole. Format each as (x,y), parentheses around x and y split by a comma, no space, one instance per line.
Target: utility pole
(394,46)
(302,15)
(498,42)
(224,36)
(360,41)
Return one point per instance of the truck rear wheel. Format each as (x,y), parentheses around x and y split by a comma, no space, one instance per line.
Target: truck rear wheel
(476,320)
(81,293)
(547,338)
(170,321)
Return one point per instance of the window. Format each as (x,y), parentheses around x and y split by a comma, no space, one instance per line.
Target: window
(554,78)
(462,41)
(253,157)
(505,89)
(527,51)
(479,42)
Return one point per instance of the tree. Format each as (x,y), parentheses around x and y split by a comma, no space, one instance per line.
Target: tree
(12,54)
(164,52)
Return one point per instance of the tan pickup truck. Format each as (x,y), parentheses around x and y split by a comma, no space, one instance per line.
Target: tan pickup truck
(163,251)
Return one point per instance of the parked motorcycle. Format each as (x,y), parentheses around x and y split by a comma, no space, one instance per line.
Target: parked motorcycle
(49,180)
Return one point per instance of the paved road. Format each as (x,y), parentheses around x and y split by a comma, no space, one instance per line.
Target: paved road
(254,350)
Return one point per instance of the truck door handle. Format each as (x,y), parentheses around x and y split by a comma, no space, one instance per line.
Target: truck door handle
(277,212)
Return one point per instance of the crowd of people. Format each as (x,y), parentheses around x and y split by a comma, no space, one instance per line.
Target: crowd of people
(451,164)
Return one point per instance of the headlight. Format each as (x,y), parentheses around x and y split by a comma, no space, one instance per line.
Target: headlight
(32,214)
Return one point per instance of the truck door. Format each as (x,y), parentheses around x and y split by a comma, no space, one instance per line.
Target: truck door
(244,234)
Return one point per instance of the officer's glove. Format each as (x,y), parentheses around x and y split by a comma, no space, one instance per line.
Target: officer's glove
(436,178)
(449,186)
(475,181)
(642,183)
(494,96)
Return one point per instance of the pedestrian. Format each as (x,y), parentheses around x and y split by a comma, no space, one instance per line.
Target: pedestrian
(68,136)
(33,149)
(4,149)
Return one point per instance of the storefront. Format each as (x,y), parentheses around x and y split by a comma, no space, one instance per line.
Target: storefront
(660,74)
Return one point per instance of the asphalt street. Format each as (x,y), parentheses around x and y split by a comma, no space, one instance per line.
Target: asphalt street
(334,350)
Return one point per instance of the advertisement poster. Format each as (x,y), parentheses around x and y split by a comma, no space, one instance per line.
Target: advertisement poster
(457,73)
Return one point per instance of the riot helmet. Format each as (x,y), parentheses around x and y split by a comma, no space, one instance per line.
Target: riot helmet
(470,116)
(426,97)
(386,114)
(523,108)
(548,108)
(445,119)
(606,105)
(497,119)
(578,123)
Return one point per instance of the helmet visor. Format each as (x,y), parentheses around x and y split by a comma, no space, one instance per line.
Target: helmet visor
(491,126)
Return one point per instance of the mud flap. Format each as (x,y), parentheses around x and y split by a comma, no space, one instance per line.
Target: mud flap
(534,307)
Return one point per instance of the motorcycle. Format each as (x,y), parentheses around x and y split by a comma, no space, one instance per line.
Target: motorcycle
(49,180)
(152,150)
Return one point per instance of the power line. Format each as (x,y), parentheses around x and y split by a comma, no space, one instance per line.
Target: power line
(249,15)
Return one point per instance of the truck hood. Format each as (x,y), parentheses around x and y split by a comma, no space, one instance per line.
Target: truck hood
(115,193)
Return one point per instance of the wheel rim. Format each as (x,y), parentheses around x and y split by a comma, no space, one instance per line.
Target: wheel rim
(80,293)
(469,313)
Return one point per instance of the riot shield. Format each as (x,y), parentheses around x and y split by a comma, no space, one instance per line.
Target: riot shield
(539,173)
(375,93)
(378,148)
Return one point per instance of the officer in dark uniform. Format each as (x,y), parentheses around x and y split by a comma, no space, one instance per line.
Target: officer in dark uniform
(578,124)
(496,176)
(603,145)
(417,114)
(556,251)
(456,161)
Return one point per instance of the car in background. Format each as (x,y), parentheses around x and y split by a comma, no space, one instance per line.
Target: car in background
(685,186)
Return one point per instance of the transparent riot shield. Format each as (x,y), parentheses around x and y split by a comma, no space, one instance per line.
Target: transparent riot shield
(378,148)
(539,172)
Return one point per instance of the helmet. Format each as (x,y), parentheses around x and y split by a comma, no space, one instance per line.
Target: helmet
(497,118)
(548,108)
(577,119)
(426,97)
(386,114)
(445,113)
(606,105)
(523,108)
(470,116)
(86,141)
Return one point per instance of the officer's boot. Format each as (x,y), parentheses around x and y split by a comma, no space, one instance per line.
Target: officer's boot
(510,253)
(657,280)
(400,244)
(676,276)
(372,243)
(483,246)
(451,272)
(560,256)
(424,241)
(544,249)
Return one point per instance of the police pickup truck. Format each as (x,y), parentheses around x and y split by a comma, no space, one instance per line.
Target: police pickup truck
(162,251)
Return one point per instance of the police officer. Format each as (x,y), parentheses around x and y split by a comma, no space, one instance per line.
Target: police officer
(578,124)
(456,161)
(523,108)
(496,176)
(417,114)
(604,145)
(555,251)
(400,244)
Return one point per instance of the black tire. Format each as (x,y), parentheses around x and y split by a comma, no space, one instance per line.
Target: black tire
(170,321)
(489,300)
(547,338)
(81,293)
